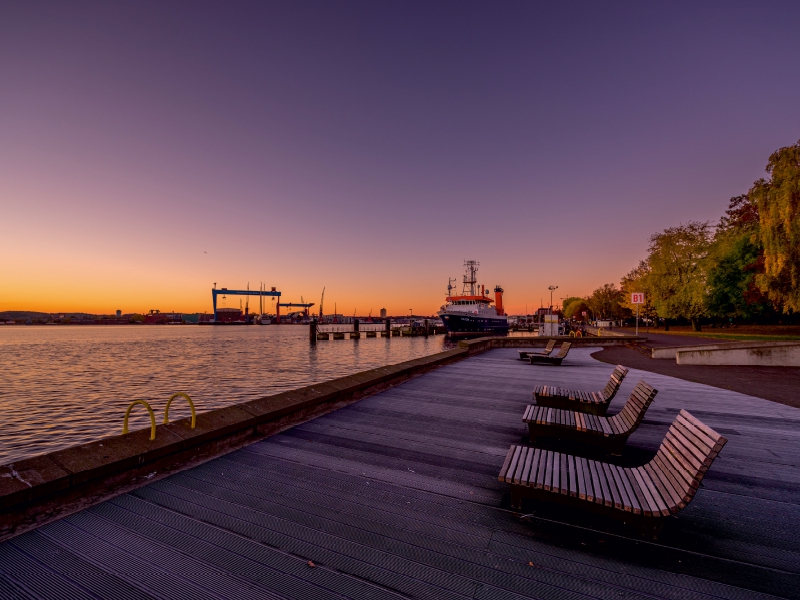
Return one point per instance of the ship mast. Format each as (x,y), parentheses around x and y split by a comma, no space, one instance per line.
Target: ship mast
(450,286)
(470,278)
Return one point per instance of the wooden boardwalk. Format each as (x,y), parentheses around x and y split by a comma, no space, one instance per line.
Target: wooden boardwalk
(397,496)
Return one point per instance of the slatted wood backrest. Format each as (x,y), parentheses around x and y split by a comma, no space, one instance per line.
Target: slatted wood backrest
(687,451)
(632,413)
(612,387)
(564,350)
(550,345)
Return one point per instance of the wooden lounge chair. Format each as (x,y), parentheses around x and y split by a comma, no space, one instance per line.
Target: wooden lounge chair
(525,354)
(609,433)
(641,497)
(594,403)
(551,360)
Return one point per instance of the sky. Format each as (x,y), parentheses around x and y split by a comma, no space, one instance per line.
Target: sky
(151,149)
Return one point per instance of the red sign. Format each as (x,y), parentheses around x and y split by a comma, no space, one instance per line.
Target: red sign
(637,298)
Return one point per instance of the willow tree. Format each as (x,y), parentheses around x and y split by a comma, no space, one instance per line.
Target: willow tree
(676,279)
(778,201)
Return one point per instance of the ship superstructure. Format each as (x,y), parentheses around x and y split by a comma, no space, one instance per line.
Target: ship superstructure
(472,312)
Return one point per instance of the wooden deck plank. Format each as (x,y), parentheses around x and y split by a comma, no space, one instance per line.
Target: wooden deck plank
(397,494)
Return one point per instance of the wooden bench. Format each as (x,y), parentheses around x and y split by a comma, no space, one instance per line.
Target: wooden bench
(551,360)
(525,354)
(595,403)
(641,497)
(609,433)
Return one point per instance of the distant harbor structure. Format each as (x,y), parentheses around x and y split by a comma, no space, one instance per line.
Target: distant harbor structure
(383,313)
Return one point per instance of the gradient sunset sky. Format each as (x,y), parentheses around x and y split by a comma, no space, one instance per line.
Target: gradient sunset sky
(148,150)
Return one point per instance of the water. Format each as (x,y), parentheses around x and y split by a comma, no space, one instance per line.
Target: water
(64,385)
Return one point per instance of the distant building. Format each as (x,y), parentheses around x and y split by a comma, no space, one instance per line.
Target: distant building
(383,313)
(229,314)
(119,313)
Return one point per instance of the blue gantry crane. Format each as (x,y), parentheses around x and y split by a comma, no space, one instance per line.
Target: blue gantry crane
(225,291)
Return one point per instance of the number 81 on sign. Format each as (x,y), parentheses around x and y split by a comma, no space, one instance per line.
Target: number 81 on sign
(637,298)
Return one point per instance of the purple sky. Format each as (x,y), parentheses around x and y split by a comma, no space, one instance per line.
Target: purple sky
(149,150)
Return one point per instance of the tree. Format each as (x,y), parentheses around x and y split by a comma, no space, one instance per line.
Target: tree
(676,279)
(605,301)
(735,259)
(575,308)
(568,301)
(742,215)
(734,262)
(778,202)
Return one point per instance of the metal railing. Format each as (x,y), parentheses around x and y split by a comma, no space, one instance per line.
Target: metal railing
(152,415)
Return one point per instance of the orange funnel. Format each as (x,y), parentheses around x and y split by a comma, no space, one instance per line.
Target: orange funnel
(498,300)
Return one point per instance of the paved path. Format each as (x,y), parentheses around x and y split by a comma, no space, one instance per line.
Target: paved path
(397,496)
(779,384)
(663,340)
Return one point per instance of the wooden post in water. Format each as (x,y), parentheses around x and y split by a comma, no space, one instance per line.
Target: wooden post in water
(312,332)
(356,333)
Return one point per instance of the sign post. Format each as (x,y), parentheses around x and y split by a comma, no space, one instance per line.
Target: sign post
(637,298)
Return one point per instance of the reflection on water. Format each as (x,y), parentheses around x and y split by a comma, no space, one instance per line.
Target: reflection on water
(64,385)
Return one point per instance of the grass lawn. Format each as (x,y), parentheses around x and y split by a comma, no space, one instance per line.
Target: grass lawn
(775,333)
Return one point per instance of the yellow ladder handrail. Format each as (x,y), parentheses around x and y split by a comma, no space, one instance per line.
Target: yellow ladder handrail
(599,332)
(191,405)
(152,418)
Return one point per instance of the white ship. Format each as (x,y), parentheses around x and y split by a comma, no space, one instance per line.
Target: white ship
(472,312)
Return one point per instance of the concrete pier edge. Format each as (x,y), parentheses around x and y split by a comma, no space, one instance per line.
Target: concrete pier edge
(43,488)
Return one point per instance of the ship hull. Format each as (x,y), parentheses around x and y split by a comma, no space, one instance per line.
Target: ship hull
(457,324)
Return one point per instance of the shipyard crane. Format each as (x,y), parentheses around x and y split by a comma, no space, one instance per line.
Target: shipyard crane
(320,303)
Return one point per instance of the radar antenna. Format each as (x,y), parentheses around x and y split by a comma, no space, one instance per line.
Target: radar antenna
(470,277)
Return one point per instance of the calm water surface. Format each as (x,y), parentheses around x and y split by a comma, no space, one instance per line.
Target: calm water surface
(64,385)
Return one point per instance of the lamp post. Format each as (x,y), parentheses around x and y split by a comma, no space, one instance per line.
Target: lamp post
(552,289)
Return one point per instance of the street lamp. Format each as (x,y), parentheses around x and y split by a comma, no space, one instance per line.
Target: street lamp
(552,289)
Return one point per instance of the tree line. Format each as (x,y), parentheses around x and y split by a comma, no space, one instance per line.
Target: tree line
(745,267)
